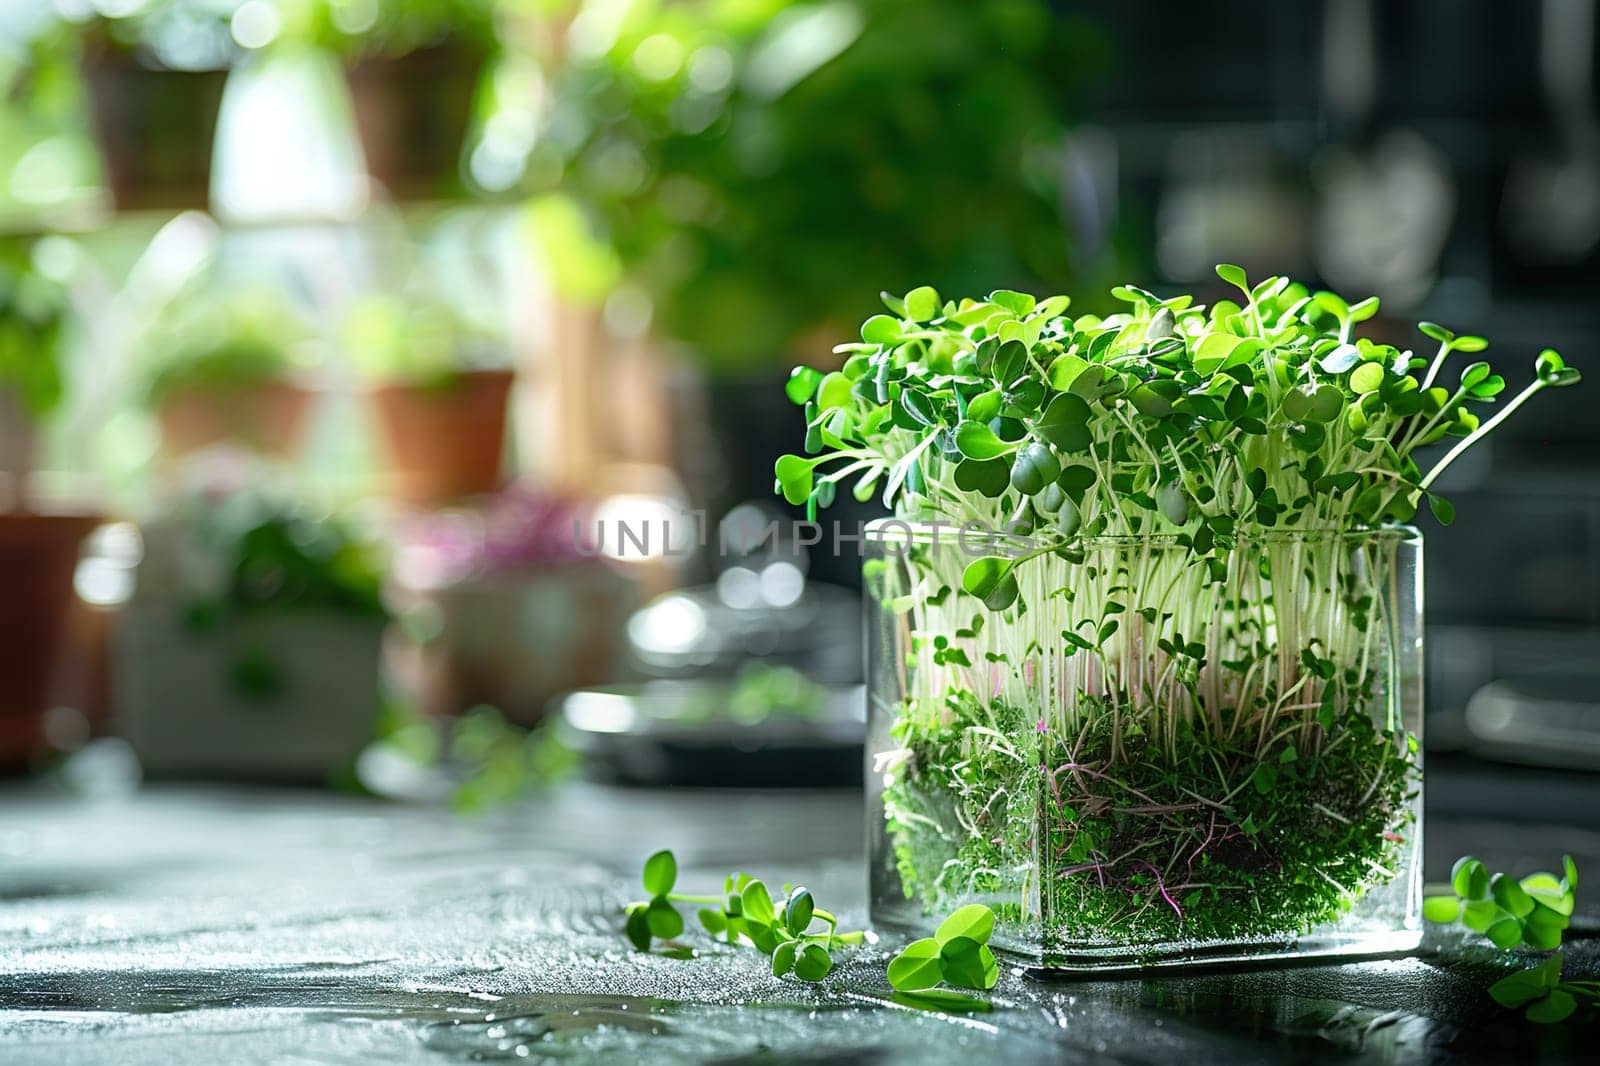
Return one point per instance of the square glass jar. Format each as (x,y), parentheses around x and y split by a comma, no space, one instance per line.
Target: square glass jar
(1148,757)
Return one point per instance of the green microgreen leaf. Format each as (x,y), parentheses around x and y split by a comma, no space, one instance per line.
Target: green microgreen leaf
(1479,914)
(1510,895)
(983,575)
(1034,467)
(974,921)
(757,903)
(1441,909)
(1519,988)
(880,329)
(922,304)
(1544,928)
(1065,423)
(918,966)
(1469,878)
(794,477)
(663,918)
(977,441)
(1368,377)
(968,964)
(746,913)
(1234,276)
(1556,1006)
(802,385)
(944,1001)
(813,963)
(1018,303)
(798,910)
(1505,933)
(660,873)
(1154,399)
(638,927)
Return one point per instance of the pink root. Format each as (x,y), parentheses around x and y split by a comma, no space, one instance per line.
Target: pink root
(1162,888)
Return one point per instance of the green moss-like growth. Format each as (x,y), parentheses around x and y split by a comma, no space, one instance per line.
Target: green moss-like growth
(1131,851)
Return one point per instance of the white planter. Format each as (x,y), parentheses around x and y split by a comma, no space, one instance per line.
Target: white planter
(180,703)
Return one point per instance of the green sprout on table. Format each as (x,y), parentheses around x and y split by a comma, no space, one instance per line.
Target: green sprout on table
(1531,914)
(798,935)
(957,954)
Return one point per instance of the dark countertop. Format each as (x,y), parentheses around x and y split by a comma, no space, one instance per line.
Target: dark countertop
(211,924)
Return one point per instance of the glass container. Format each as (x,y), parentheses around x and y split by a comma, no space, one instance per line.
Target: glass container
(1144,757)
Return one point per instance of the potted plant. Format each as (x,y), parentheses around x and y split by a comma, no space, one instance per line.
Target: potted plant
(223,368)
(154,73)
(440,395)
(38,551)
(266,616)
(413,68)
(514,612)
(1146,665)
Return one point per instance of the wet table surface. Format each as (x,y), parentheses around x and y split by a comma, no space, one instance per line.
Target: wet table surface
(210,924)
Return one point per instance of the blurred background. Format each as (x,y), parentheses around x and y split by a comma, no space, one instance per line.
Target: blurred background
(326,324)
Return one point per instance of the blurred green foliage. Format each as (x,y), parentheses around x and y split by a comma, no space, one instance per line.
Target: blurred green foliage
(262,553)
(388,27)
(756,163)
(488,761)
(269,553)
(417,337)
(209,34)
(220,341)
(33,313)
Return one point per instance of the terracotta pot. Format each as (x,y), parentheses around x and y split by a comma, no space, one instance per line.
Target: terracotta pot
(412,113)
(446,440)
(268,418)
(154,128)
(38,554)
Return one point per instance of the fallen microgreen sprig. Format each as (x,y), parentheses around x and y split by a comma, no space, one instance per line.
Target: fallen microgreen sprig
(957,954)
(798,935)
(1532,914)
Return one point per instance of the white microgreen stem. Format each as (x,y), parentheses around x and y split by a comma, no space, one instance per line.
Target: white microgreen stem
(1419,435)
(1437,364)
(1482,431)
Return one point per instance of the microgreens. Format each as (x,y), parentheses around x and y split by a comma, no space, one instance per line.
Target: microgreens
(1161,696)
(1261,412)
(798,935)
(1532,913)
(957,954)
